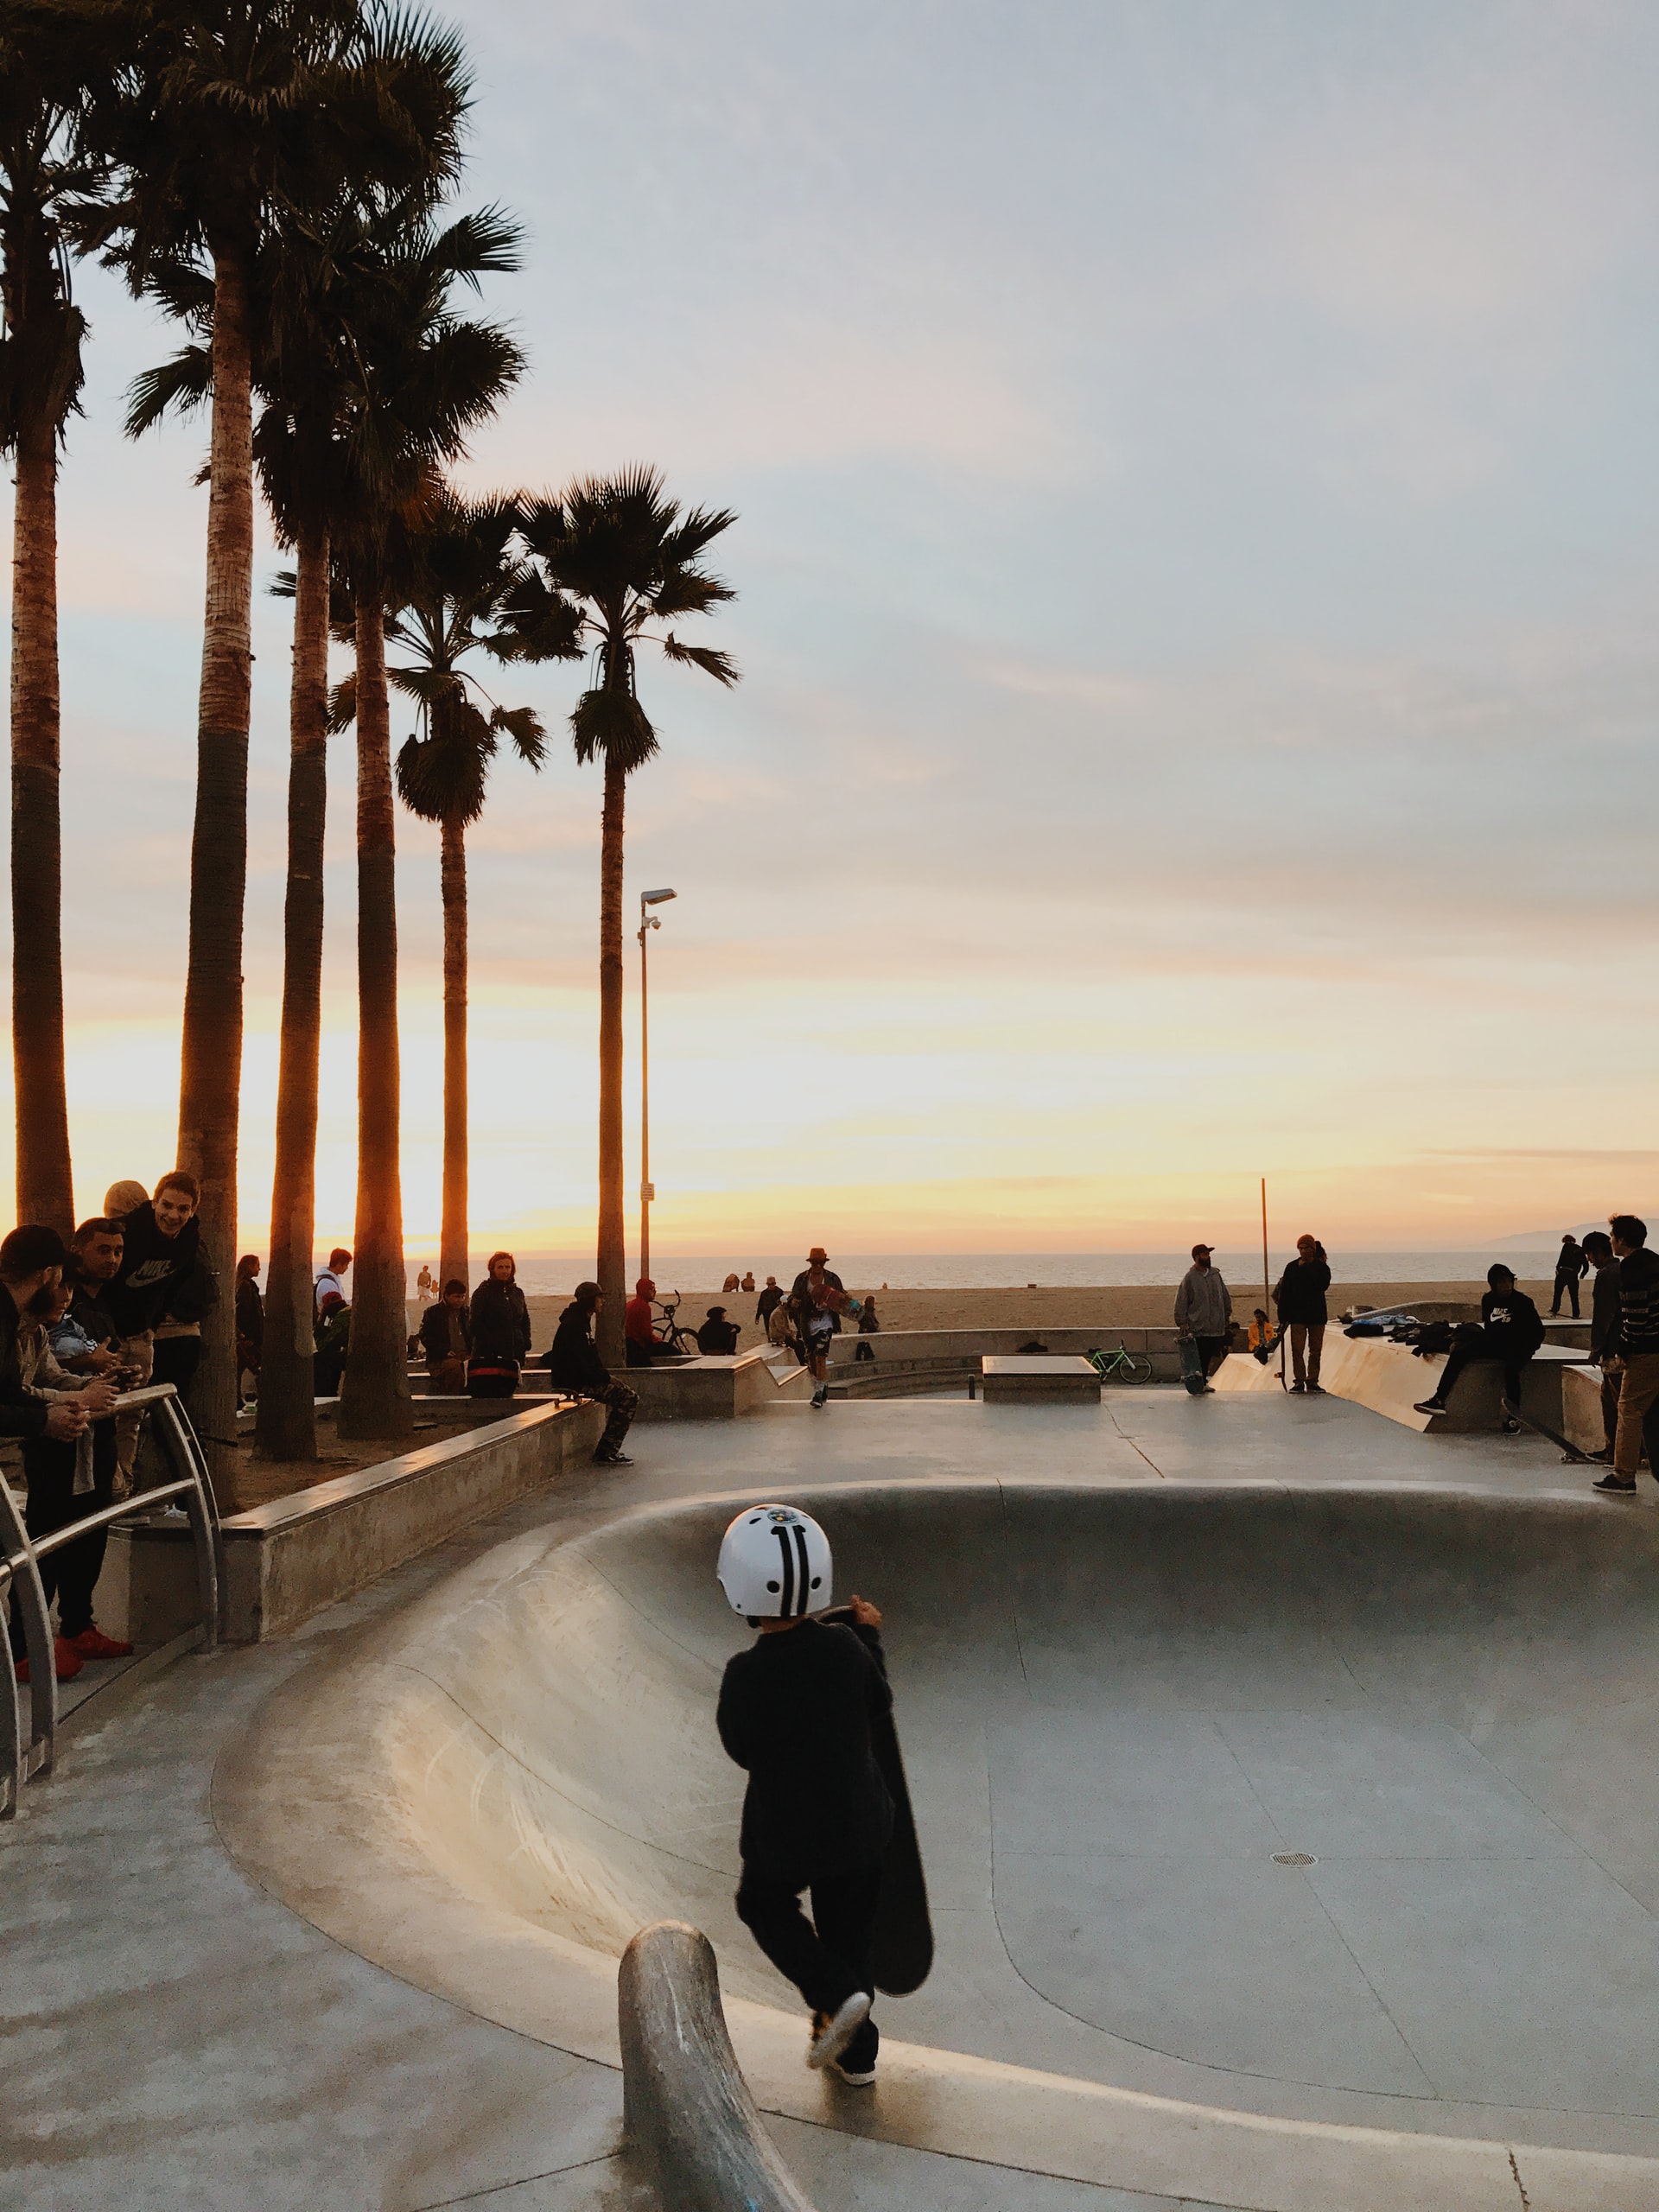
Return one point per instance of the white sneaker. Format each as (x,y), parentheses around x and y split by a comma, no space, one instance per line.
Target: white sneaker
(833,2032)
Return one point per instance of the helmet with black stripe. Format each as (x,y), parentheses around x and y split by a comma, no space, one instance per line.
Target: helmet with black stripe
(774,1564)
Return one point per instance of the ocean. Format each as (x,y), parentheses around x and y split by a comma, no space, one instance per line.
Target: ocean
(553,1273)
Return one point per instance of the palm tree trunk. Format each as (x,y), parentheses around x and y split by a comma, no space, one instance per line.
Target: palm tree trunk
(613,1254)
(45,1191)
(285,1425)
(210,1067)
(374,1391)
(452,1260)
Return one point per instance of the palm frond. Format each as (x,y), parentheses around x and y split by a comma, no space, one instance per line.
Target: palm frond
(342,704)
(613,724)
(182,384)
(524,726)
(721,666)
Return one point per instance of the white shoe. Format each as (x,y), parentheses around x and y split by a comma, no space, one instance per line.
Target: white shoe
(833,2032)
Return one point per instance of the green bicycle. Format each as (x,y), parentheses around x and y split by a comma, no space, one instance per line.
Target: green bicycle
(1120,1365)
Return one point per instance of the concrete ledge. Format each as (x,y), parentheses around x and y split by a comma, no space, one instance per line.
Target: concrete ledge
(1388,1378)
(953,1352)
(686,2106)
(285,1561)
(1031,1381)
(713,1388)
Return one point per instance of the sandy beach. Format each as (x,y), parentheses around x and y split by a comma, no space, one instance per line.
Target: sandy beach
(1115,1305)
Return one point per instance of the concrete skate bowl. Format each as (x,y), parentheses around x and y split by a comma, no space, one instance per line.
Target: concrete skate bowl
(1287,1849)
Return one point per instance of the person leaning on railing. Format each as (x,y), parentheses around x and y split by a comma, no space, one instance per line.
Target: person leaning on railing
(48,1409)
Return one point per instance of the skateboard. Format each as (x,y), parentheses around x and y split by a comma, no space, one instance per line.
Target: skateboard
(1571,1455)
(901,1944)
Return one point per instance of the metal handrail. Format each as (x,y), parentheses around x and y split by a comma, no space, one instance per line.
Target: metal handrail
(27,1746)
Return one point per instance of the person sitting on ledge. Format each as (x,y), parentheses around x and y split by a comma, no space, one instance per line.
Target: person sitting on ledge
(717,1334)
(640,1342)
(1511,1331)
(575,1367)
(446,1340)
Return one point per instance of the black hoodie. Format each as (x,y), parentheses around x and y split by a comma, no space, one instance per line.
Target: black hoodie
(152,1267)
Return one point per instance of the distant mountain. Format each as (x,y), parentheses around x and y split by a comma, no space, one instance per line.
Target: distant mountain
(1546,1240)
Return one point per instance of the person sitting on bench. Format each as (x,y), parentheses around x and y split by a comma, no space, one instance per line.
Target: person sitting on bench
(1511,1331)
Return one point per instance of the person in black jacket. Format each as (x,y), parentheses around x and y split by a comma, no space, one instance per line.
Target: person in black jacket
(1512,1329)
(1604,1330)
(1299,1297)
(575,1367)
(795,1711)
(446,1339)
(501,1330)
(717,1334)
(1638,1356)
(1572,1265)
(161,1244)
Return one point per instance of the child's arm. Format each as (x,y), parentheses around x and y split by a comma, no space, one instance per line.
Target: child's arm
(730,1718)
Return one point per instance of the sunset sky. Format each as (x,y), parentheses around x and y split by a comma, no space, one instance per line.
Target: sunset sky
(1196,468)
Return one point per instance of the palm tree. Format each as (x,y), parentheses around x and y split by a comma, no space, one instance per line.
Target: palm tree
(233,112)
(465,573)
(45,74)
(618,550)
(427,378)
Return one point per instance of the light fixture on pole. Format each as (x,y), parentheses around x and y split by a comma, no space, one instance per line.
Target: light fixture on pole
(647,921)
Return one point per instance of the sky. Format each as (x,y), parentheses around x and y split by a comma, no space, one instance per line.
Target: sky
(1195,464)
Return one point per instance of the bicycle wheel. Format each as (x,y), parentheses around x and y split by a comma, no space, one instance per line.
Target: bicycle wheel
(1138,1367)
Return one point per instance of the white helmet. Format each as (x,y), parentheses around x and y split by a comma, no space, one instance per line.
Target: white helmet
(774,1564)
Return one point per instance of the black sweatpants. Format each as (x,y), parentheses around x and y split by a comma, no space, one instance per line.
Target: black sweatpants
(72,1574)
(1569,1283)
(827,1957)
(1465,1355)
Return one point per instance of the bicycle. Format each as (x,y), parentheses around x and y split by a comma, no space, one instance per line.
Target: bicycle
(671,1333)
(1120,1364)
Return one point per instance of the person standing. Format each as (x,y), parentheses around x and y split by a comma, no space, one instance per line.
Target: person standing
(1299,1297)
(1638,1350)
(1604,1331)
(500,1331)
(1572,1265)
(869,1325)
(797,1713)
(816,1296)
(160,1246)
(769,1298)
(249,1322)
(1204,1310)
(575,1367)
(333,1277)
(426,1286)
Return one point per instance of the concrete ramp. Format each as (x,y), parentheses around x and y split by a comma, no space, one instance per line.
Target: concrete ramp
(1388,1378)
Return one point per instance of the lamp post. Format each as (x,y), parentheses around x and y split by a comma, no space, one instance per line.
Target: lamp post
(647,921)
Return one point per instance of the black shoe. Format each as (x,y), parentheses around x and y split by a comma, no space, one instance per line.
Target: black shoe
(1315,1391)
(611,1459)
(1429,1406)
(1296,1389)
(1604,1456)
(1616,1485)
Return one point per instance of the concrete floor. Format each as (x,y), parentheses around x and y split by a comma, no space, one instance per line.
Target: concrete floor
(1467,1947)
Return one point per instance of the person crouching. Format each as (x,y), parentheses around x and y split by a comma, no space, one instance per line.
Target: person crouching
(796,1711)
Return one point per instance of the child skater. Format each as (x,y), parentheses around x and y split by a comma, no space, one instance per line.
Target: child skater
(795,1711)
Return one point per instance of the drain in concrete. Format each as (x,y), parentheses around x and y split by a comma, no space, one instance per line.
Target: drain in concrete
(1295,1858)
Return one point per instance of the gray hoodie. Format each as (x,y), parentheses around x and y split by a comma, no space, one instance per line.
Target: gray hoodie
(1204,1304)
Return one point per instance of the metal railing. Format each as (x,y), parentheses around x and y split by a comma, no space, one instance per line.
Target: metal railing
(28,1739)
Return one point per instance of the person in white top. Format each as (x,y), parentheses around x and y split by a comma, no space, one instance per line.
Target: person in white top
(333,1277)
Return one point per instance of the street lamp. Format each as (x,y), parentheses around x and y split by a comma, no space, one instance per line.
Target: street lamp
(647,921)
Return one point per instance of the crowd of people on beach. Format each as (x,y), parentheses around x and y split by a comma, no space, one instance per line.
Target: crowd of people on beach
(1623,1335)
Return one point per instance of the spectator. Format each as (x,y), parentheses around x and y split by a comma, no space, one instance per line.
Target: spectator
(1263,1336)
(1203,1311)
(1638,1354)
(426,1285)
(1511,1331)
(779,1331)
(446,1340)
(160,1246)
(1604,1331)
(640,1342)
(500,1331)
(730,1284)
(1572,1265)
(816,1298)
(1299,1297)
(333,1277)
(770,1298)
(574,1366)
(869,1325)
(178,1334)
(334,1333)
(53,1410)
(250,1323)
(747,1283)
(718,1335)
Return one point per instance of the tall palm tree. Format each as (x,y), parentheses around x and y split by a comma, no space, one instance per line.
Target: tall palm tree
(618,550)
(232,112)
(427,377)
(46,63)
(466,572)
